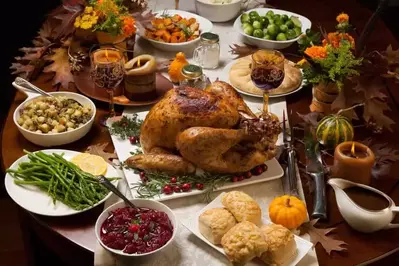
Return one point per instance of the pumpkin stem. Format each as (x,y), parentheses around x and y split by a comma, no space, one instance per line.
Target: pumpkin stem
(350,108)
(287,203)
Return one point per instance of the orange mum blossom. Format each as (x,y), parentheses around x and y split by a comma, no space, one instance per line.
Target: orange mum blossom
(316,52)
(341,18)
(128,27)
(334,38)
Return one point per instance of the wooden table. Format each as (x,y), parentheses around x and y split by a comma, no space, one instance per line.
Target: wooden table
(79,229)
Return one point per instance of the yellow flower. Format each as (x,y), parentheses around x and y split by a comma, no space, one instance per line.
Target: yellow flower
(341,18)
(88,9)
(86,25)
(77,22)
(302,62)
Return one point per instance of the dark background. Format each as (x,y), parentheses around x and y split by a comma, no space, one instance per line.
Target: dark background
(20,21)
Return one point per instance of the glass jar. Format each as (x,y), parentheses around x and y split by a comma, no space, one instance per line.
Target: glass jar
(207,53)
(193,77)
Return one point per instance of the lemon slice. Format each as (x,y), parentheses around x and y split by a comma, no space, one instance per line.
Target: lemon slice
(92,164)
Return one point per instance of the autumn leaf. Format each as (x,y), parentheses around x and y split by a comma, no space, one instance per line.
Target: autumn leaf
(311,119)
(60,66)
(22,70)
(66,15)
(242,50)
(319,235)
(143,19)
(99,149)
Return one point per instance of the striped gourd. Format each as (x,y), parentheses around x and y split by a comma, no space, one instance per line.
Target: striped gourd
(334,129)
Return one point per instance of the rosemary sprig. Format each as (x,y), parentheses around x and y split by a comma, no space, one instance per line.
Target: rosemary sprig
(126,127)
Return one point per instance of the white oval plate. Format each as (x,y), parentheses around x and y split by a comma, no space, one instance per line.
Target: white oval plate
(192,224)
(32,199)
(204,25)
(224,76)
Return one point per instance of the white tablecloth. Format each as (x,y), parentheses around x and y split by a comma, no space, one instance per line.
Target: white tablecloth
(187,249)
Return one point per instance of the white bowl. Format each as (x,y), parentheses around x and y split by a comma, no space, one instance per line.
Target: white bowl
(218,12)
(204,24)
(269,44)
(55,139)
(144,203)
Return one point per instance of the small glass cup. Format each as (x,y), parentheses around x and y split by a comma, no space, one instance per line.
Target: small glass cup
(208,52)
(107,71)
(267,73)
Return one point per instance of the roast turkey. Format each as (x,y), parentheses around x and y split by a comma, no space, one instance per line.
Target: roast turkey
(211,129)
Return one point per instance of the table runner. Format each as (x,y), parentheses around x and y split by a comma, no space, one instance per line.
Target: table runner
(187,249)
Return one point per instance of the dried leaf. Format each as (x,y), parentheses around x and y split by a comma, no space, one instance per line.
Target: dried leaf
(99,149)
(67,15)
(384,157)
(374,110)
(60,66)
(22,70)
(143,19)
(311,119)
(319,235)
(242,50)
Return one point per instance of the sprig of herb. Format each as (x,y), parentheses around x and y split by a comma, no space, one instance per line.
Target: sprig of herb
(126,127)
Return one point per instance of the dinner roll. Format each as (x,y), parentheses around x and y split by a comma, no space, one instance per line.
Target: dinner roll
(214,224)
(242,206)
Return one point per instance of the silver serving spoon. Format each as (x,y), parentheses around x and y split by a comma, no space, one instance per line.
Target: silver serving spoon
(27,85)
(106,183)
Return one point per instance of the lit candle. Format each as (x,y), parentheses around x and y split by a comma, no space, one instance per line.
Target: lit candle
(106,56)
(140,82)
(353,161)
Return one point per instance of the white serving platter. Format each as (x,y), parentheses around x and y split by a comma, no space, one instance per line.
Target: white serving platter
(225,76)
(32,199)
(123,149)
(303,246)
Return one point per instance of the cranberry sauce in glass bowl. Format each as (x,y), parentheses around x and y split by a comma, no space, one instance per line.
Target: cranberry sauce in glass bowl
(136,231)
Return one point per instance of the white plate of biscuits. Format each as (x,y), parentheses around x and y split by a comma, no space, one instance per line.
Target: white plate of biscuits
(238,74)
(234,225)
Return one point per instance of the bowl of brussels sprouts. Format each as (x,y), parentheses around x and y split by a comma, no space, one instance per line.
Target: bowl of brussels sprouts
(271,28)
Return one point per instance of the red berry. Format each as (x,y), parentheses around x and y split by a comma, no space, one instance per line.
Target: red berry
(186,187)
(173,179)
(241,178)
(176,189)
(133,228)
(167,190)
(133,139)
(234,179)
(142,175)
(264,167)
(248,174)
(199,186)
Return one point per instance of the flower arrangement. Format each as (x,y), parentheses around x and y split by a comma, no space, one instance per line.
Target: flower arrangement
(109,16)
(332,60)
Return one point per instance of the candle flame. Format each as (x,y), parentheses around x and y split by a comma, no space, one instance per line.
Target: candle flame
(138,62)
(353,149)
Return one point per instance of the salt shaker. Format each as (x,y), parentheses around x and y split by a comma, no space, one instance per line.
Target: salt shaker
(193,77)
(207,53)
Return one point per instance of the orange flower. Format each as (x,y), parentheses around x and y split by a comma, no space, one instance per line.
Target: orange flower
(316,52)
(128,27)
(334,38)
(341,18)
(301,62)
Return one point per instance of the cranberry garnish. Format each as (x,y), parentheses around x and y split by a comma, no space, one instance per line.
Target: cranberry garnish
(176,189)
(248,174)
(133,139)
(257,170)
(264,167)
(186,187)
(199,186)
(133,228)
(142,175)
(234,179)
(167,190)
(173,180)
(240,178)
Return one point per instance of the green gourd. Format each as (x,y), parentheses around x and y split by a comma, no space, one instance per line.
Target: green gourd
(334,129)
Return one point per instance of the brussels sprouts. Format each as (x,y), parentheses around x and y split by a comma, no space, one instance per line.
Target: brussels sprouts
(290,24)
(245,24)
(284,18)
(272,30)
(267,37)
(253,15)
(291,34)
(270,14)
(283,28)
(245,18)
(249,30)
(277,16)
(264,21)
(298,31)
(265,32)
(278,22)
(257,25)
(258,33)
(281,37)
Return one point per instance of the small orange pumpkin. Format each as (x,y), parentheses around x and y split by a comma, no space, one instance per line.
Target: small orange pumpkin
(289,211)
